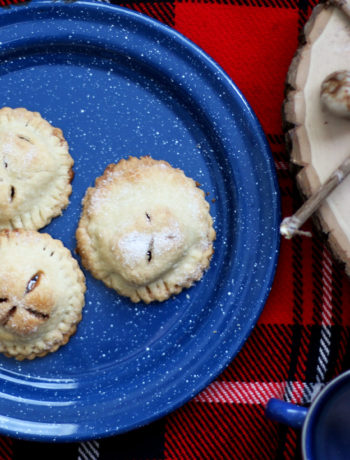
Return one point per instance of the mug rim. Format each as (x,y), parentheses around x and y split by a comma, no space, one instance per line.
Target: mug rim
(315,404)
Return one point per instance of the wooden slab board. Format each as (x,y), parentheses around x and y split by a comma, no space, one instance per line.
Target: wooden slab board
(319,140)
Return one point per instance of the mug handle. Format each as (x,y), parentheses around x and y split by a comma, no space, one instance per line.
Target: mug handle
(284,412)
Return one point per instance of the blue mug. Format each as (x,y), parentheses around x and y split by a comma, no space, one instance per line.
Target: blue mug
(325,424)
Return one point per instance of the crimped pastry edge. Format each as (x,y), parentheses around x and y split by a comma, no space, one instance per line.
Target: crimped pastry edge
(158,290)
(54,204)
(78,299)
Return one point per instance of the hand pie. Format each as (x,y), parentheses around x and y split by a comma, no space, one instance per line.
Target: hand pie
(35,170)
(41,294)
(145,230)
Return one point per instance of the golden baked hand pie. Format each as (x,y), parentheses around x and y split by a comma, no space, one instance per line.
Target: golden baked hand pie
(41,294)
(145,229)
(35,170)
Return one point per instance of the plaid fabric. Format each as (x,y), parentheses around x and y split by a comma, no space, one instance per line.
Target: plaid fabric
(302,338)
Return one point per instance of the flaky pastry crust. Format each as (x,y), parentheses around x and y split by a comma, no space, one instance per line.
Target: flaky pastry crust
(145,230)
(41,294)
(35,170)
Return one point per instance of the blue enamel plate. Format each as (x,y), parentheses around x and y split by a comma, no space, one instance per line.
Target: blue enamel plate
(119,83)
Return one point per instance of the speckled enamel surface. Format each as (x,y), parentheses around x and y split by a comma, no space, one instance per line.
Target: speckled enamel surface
(120,84)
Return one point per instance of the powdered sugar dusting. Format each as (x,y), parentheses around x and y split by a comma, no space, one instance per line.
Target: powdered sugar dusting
(167,239)
(10,149)
(102,191)
(135,247)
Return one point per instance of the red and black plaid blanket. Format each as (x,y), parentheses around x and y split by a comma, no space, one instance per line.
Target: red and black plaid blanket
(302,338)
